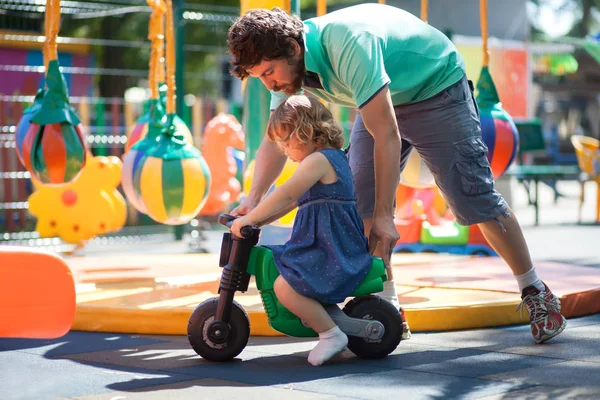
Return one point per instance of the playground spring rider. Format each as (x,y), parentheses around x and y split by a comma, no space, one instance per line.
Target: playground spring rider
(219,328)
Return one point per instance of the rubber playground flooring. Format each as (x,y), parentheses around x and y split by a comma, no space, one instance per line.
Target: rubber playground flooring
(156,293)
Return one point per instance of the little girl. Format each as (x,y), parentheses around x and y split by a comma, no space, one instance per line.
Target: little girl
(327,255)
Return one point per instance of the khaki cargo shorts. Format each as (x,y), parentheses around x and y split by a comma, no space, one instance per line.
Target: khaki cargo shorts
(445,130)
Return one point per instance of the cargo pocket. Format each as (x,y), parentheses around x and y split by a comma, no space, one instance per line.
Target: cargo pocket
(473,166)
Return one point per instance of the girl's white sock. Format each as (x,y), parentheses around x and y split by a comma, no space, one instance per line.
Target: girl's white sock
(330,343)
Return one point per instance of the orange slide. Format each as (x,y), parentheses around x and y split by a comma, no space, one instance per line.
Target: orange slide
(37,294)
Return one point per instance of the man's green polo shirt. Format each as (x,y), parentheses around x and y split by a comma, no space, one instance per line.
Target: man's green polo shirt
(358,50)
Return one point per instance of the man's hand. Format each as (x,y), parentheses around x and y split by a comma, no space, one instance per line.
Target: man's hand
(385,235)
(246,205)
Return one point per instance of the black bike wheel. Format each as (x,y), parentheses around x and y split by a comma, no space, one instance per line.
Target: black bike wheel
(375,308)
(239,331)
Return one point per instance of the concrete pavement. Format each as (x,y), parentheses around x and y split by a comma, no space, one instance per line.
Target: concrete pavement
(500,363)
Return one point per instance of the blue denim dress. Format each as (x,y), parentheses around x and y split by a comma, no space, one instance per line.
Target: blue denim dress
(327,255)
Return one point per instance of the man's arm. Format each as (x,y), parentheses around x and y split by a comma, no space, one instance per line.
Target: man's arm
(379,119)
(269,164)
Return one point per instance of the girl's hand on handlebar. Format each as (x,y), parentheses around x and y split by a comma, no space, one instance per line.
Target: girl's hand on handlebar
(239,223)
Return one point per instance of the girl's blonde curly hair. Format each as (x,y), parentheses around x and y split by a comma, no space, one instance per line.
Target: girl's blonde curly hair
(308,120)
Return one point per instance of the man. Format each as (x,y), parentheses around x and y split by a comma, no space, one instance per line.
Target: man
(409,84)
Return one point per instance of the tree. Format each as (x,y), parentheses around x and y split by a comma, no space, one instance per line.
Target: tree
(583,27)
(581,11)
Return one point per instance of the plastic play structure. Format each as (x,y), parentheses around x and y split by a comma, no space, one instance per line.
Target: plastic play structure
(219,328)
(64,210)
(426,225)
(37,294)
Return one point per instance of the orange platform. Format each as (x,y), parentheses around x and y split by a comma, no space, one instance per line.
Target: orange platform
(37,294)
(156,293)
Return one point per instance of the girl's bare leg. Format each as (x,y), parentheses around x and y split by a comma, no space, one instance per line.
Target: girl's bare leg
(331,339)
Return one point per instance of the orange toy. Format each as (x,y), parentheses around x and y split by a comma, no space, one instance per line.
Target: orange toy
(409,226)
(221,133)
(433,205)
(37,294)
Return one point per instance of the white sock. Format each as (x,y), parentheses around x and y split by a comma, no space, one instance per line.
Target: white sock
(389,293)
(529,278)
(330,343)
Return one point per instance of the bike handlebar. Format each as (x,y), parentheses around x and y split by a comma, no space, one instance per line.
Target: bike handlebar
(227,220)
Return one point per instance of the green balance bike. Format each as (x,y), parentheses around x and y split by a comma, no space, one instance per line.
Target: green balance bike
(219,328)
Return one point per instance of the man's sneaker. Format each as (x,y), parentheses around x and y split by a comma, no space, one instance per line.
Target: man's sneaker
(544,313)
(405,329)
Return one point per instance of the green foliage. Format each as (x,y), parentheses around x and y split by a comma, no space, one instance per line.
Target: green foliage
(584,10)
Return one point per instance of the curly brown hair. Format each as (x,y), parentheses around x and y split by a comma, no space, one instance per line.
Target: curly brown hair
(262,34)
(308,120)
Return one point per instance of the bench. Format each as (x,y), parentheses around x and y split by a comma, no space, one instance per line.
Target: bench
(531,141)
(538,173)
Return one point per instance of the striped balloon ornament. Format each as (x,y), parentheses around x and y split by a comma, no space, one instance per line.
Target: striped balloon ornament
(131,161)
(497,127)
(501,137)
(140,130)
(49,139)
(169,178)
(25,123)
(54,153)
(155,121)
(142,124)
(173,190)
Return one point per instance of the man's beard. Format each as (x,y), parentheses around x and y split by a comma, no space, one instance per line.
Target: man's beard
(298,73)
